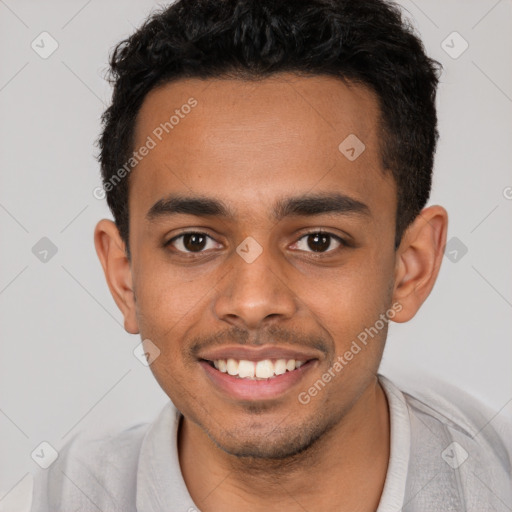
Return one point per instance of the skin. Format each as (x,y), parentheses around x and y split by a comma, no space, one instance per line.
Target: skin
(250,144)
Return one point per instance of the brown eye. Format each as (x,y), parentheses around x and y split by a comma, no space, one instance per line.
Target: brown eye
(319,242)
(192,242)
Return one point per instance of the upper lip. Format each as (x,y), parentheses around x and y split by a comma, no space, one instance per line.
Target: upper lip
(258,353)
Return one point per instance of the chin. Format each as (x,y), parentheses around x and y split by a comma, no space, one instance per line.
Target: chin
(272,444)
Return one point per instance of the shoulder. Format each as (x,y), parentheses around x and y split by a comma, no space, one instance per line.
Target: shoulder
(463,445)
(457,410)
(444,404)
(97,471)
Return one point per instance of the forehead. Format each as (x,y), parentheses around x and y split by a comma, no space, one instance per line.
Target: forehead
(238,140)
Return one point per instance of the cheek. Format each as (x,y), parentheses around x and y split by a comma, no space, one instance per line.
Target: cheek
(352,295)
(167,305)
(165,294)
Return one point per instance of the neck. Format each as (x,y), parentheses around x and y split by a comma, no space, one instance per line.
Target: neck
(345,469)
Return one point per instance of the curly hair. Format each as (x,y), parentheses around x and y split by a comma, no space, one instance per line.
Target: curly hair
(365,42)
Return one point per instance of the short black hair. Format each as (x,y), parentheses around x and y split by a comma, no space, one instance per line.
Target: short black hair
(365,42)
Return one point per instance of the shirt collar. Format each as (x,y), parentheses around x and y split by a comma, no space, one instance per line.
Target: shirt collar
(393,494)
(160,484)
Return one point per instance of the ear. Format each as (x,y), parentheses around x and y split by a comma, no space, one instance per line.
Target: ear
(418,260)
(110,249)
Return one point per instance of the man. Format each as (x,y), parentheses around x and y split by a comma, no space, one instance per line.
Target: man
(268,166)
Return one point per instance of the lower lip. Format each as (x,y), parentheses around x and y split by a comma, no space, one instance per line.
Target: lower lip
(252,389)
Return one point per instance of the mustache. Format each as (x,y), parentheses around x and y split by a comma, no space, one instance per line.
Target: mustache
(271,336)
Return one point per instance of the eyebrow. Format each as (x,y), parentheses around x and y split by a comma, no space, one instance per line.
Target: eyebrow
(305,205)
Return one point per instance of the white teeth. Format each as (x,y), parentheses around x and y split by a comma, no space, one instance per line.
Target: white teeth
(280,366)
(290,365)
(264,369)
(245,369)
(232,367)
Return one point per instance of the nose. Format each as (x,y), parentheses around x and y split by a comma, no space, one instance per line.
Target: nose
(255,293)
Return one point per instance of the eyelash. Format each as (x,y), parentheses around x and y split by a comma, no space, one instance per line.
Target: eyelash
(341,241)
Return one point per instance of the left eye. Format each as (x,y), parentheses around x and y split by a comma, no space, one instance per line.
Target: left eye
(192,242)
(319,242)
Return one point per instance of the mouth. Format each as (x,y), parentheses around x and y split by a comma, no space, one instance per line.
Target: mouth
(255,370)
(249,377)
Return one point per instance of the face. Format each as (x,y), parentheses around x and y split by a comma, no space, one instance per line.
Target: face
(259,248)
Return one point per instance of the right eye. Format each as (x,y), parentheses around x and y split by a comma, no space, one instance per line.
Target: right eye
(191,242)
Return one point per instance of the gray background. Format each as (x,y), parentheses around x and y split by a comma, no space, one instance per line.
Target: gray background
(66,362)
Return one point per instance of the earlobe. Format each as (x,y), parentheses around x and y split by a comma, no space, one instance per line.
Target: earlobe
(110,249)
(418,260)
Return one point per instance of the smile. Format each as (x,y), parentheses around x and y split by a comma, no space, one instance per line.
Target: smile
(261,380)
(263,369)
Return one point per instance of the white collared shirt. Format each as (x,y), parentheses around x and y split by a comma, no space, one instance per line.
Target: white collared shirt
(448,453)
